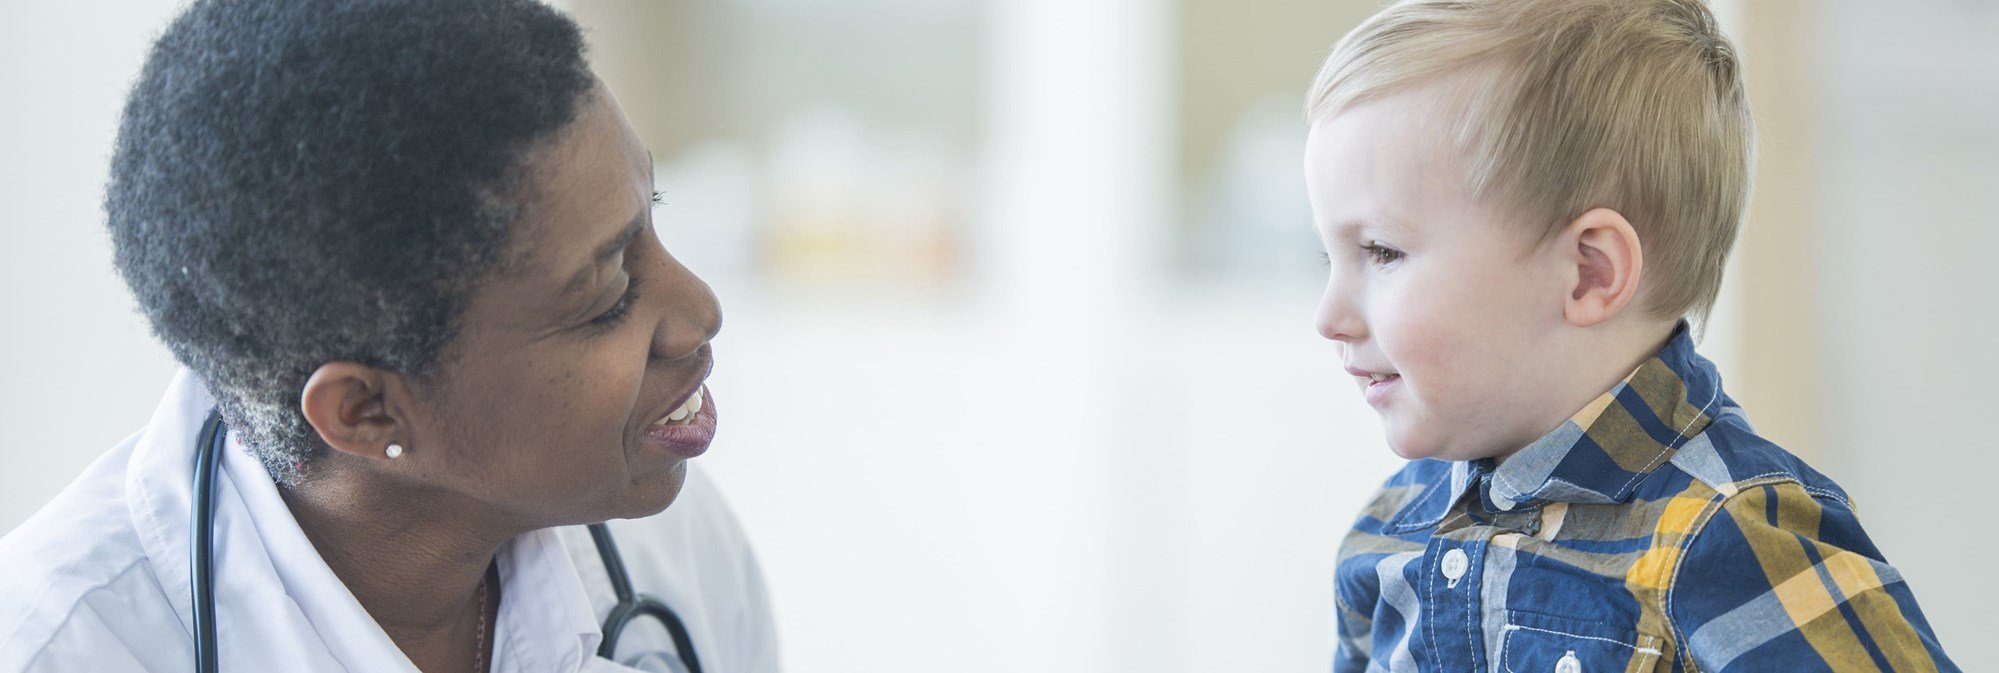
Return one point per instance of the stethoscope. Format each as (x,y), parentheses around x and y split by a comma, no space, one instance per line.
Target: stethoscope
(630,606)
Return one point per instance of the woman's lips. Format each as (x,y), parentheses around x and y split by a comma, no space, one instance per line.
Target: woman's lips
(688,437)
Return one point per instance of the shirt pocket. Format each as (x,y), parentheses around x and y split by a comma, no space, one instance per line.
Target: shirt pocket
(1536,643)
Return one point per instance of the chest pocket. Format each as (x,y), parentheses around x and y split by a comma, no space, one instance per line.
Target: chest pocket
(1534,643)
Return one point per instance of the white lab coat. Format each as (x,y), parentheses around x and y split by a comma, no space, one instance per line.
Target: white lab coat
(98,579)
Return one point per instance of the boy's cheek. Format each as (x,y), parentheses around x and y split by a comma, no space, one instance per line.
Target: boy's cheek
(1417,339)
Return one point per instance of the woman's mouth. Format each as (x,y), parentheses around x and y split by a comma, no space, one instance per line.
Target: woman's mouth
(688,429)
(686,410)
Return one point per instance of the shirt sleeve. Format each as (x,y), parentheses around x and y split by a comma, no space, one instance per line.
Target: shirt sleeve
(115,628)
(1354,627)
(1782,579)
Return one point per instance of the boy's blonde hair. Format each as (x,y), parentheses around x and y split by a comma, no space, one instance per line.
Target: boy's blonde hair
(1569,105)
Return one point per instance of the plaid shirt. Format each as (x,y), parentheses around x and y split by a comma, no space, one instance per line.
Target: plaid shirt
(1652,531)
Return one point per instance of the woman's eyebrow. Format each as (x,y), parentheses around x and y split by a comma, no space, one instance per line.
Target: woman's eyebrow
(604,252)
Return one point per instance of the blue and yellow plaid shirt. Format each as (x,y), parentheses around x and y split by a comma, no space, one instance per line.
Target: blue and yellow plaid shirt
(1653,531)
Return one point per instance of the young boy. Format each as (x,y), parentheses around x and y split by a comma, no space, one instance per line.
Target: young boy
(1523,203)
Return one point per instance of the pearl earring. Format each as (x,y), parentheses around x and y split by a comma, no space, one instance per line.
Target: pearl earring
(394,451)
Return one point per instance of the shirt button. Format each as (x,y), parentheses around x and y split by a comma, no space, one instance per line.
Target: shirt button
(1454,563)
(1569,664)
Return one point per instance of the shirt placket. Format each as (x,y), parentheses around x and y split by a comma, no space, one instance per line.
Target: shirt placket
(1454,563)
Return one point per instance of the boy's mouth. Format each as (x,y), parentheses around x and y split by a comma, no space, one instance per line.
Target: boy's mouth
(1374,384)
(1372,377)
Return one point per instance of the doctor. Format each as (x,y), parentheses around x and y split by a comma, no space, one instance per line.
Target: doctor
(407,251)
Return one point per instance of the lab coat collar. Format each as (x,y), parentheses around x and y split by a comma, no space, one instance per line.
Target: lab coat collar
(278,605)
(542,597)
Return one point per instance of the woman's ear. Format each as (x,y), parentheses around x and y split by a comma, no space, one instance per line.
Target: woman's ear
(348,404)
(1607,260)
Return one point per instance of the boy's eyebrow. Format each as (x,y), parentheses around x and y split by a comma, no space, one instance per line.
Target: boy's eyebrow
(1352,224)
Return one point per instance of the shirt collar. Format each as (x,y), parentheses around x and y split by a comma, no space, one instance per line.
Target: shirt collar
(546,620)
(1602,452)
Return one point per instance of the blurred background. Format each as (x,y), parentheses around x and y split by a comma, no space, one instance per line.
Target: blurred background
(1019,372)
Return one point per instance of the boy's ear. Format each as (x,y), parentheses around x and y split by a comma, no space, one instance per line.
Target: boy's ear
(349,404)
(1602,252)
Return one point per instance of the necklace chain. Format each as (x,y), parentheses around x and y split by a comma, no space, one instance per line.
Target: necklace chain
(479,655)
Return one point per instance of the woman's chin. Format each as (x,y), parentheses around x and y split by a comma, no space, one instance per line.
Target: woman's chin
(653,493)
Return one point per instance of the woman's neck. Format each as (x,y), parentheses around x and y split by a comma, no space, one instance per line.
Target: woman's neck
(418,562)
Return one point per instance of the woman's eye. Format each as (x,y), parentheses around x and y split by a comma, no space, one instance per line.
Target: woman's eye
(1381,254)
(616,314)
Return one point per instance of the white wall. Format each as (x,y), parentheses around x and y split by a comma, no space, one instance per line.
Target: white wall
(78,369)
(1906,238)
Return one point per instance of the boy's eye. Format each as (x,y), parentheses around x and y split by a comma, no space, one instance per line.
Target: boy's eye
(1381,254)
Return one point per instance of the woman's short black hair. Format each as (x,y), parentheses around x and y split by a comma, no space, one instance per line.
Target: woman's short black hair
(298,182)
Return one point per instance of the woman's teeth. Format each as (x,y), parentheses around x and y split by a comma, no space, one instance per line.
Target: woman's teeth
(687,409)
(1377,378)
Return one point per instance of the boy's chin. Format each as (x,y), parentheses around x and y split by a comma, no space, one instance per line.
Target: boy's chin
(1410,447)
(1410,452)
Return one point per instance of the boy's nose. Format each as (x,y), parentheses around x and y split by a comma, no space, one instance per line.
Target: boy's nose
(1338,318)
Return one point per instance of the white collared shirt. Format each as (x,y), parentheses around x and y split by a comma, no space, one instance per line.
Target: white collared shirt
(98,579)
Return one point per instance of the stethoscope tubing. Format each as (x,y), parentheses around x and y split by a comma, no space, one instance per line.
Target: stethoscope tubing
(207,455)
(632,605)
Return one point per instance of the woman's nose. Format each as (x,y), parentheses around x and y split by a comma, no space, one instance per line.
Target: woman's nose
(693,316)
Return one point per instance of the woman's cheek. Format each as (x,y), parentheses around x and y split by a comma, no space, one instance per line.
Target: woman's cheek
(616,387)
